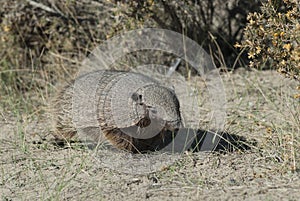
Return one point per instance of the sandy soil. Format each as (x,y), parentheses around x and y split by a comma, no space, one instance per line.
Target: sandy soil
(260,107)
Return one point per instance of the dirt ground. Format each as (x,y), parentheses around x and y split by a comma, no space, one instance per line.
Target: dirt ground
(260,107)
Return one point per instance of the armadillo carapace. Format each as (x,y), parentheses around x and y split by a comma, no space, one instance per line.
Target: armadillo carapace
(130,110)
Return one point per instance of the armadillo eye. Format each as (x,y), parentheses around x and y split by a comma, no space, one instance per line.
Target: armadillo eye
(135,97)
(154,111)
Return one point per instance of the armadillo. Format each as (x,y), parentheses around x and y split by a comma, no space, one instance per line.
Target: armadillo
(131,111)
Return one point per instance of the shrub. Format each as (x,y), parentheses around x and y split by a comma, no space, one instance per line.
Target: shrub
(42,41)
(272,37)
(214,24)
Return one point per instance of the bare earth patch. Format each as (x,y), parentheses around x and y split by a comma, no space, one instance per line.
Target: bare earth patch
(260,107)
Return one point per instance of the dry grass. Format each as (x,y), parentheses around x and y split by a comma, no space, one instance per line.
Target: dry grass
(32,167)
(260,106)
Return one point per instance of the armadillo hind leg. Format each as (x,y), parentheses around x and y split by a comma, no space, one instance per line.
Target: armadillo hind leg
(61,109)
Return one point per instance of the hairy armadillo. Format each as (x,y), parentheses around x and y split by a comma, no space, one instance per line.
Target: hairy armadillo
(122,107)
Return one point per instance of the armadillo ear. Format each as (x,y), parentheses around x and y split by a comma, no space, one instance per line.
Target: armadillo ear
(137,98)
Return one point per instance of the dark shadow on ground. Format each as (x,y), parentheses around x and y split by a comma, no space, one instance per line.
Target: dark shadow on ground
(186,139)
(226,142)
(197,140)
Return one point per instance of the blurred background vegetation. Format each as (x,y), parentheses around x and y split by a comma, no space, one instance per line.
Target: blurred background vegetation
(44,41)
